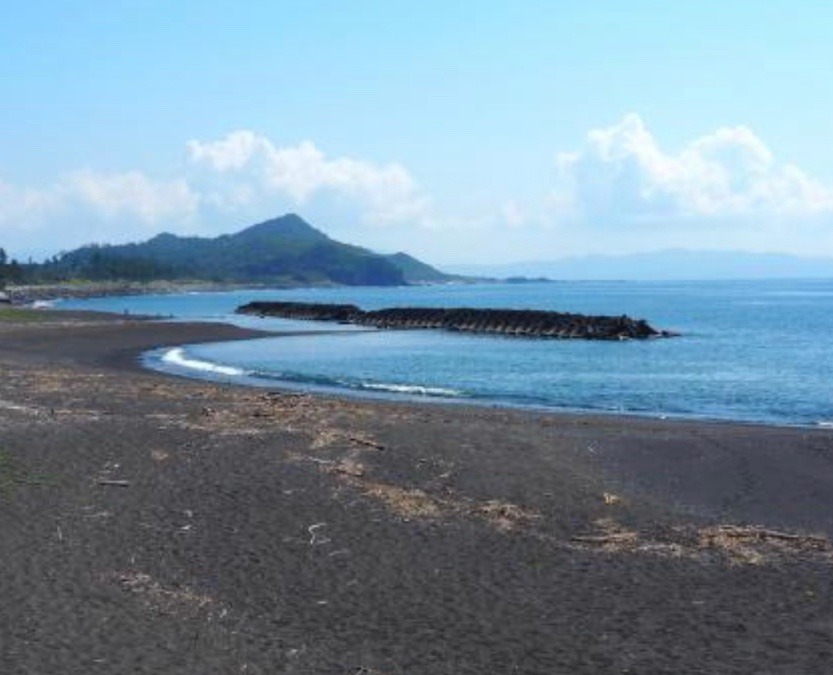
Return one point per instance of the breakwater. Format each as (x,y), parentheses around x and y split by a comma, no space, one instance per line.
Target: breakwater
(517,322)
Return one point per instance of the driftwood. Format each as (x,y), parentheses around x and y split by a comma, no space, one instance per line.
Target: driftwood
(113,482)
(365,442)
(758,533)
(601,539)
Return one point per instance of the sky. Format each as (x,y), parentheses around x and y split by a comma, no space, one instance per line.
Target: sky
(465,132)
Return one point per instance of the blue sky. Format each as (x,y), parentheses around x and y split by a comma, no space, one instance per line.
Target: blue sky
(462,132)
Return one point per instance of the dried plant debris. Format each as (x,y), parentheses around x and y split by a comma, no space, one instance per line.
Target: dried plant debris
(347,467)
(327,436)
(417,503)
(739,545)
(504,515)
(609,536)
(181,601)
(755,545)
(407,503)
(158,455)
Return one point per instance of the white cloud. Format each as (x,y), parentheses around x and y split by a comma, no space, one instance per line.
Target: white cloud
(259,168)
(512,214)
(85,206)
(620,191)
(131,194)
(226,182)
(21,206)
(622,174)
(107,195)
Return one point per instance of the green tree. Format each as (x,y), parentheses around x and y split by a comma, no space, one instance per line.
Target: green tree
(13,272)
(3,270)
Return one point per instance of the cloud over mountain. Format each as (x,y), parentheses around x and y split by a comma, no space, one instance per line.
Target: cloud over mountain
(388,193)
(231,179)
(621,191)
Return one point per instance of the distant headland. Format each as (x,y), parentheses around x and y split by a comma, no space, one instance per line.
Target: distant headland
(281,252)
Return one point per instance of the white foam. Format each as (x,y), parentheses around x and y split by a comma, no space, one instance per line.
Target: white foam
(825,424)
(412,389)
(43,304)
(176,356)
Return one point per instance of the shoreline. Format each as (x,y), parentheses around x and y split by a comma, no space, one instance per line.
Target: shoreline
(372,396)
(216,333)
(249,381)
(203,332)
(153,523)
(27,294)
(799,403)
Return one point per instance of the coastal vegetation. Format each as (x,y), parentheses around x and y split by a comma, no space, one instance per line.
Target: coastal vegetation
(11,271)
(17,315)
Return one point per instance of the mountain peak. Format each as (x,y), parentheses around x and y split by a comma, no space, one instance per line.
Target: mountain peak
(290,225)
(163,237)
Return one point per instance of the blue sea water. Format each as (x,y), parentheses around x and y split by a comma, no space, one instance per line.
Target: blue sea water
(752,351)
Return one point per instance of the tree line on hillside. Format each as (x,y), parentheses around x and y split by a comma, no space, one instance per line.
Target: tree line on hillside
(99,267)
(96,263)
(285,250)
(11,271)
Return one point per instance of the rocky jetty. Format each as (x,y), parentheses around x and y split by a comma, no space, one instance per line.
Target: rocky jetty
(310,311)
(520,322)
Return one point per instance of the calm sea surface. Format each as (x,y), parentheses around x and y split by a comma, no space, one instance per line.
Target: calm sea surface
(756,351)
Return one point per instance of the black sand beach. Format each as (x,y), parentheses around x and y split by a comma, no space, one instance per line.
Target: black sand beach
(150,524)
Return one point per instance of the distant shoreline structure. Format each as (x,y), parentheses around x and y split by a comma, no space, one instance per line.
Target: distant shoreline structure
(512,322)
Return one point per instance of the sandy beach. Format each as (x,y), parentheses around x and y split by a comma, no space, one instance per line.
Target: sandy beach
(150,524)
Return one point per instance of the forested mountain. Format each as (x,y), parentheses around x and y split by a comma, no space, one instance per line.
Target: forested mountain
(285,250)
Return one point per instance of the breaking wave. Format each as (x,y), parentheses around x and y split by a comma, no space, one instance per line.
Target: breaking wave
(411,389)
(177,357)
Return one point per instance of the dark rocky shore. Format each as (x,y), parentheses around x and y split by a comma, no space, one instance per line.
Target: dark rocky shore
(151,524)
(516,322)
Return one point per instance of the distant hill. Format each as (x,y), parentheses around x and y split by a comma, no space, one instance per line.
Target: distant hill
(669,264)
(418,272)
(284,250)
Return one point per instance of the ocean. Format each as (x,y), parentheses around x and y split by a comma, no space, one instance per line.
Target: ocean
(749,351)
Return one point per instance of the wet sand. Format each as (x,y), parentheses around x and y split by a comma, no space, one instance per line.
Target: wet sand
(150,524)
